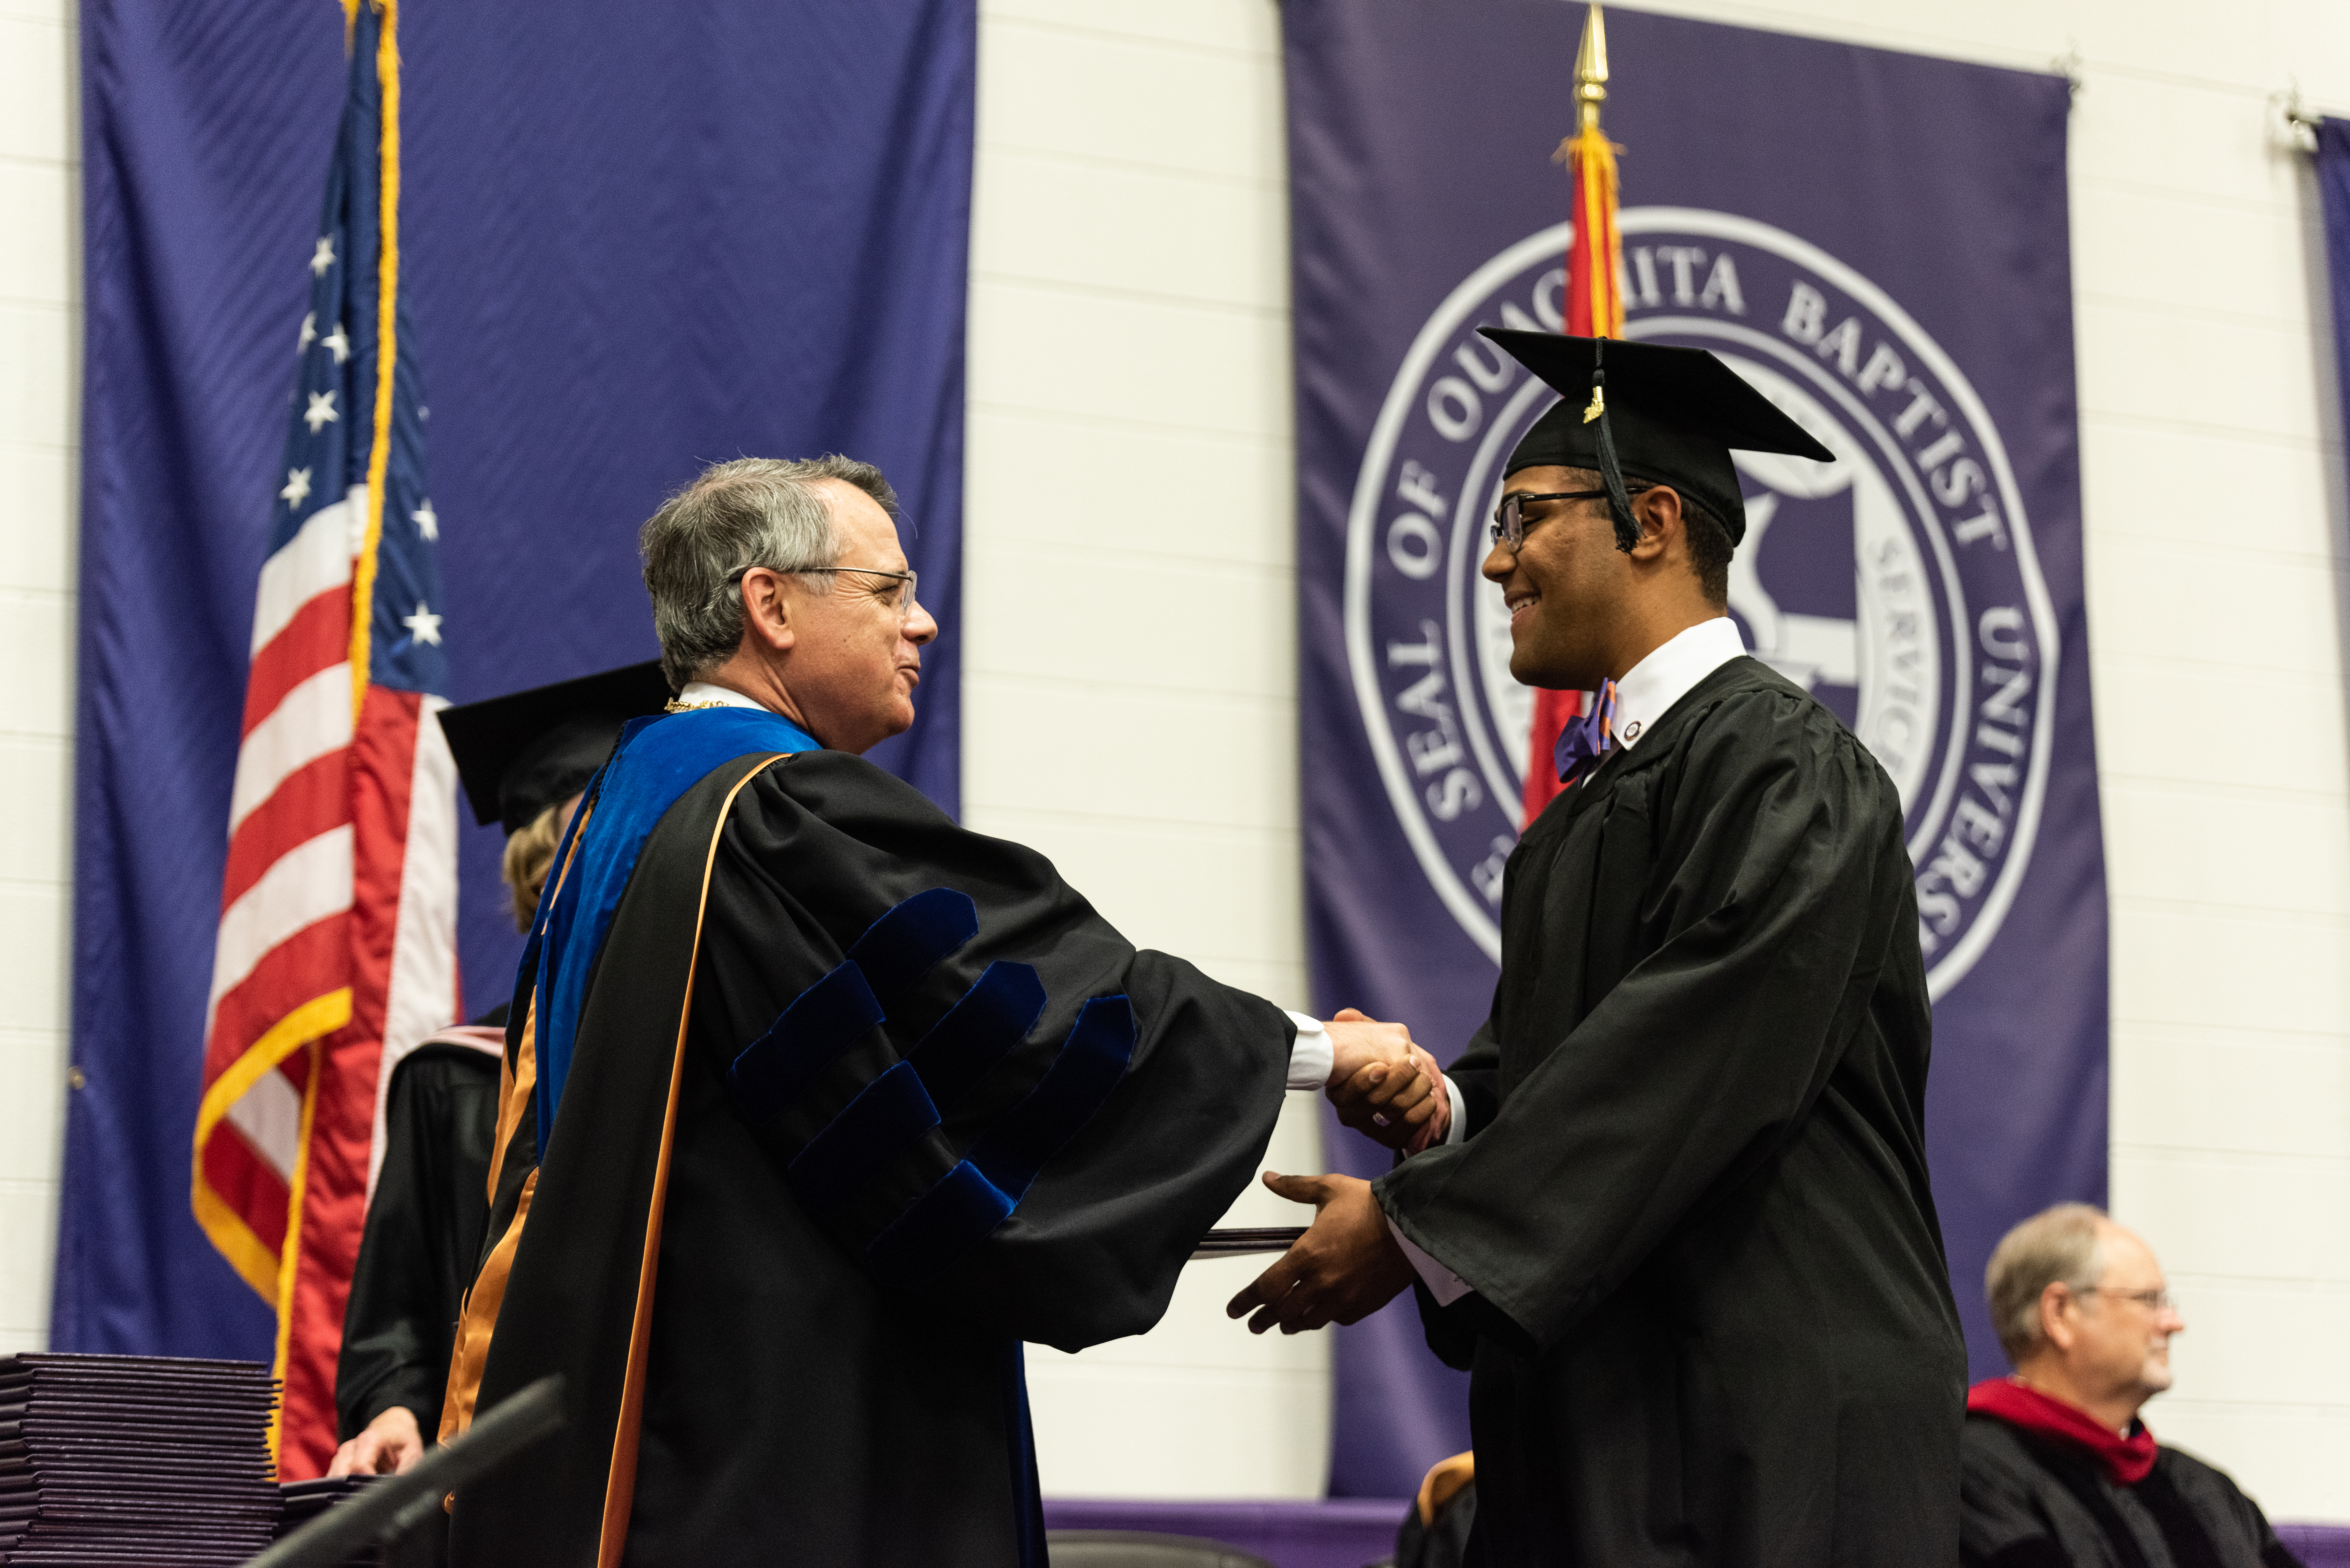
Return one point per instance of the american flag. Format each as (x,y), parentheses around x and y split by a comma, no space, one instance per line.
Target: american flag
(337,949)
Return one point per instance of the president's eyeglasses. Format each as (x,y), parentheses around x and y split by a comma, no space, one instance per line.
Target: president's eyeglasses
(900,598)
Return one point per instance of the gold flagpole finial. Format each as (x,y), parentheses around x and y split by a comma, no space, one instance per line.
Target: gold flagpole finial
(1591,70)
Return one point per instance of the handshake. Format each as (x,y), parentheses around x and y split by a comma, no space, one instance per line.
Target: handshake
(1384,1086)
(1348,1264)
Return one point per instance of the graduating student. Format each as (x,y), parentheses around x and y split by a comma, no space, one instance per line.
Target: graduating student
(822,1103)
(523,759)
(1680,1228)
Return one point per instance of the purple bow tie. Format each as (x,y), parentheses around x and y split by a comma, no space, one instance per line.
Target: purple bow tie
(1588,735)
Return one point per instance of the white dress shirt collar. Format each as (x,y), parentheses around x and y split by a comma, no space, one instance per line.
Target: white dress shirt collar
(703,692)
(1666,675)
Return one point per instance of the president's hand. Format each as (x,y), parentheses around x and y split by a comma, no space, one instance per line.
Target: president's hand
(1345,1267)
(390,1444)
(1383,1086)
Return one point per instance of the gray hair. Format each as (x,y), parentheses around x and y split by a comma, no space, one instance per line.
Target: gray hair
(753,512)
(2060,1245)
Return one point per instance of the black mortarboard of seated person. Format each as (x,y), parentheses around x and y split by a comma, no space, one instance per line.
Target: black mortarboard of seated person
(520,753)
(1667,415)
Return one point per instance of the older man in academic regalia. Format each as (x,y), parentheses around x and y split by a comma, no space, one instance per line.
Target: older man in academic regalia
(821,1104)
(2059,1471)
(1679,1226)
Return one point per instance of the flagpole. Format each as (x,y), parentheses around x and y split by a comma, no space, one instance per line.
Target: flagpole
(1590,71)
(1594,302)
(1593,308)
(387,358)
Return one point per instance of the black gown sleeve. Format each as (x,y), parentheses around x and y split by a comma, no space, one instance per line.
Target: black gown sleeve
(1452,1335)
(1092,1252)
(2274,1553)
(1766,920)
(1046,1120)
(2221,1513)
(1477,1074)
(423,1226)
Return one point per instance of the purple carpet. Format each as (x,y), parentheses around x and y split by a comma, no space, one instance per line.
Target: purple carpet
(1348,1532)
(2319,1545)
(1344,1533)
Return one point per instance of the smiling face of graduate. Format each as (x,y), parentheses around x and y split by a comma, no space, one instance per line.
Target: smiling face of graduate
(1581,610)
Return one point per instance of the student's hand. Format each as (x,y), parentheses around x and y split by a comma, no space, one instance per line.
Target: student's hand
(1345,1267)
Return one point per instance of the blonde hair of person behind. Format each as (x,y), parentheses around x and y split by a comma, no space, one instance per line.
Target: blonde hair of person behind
(2058,1244)
(530,854)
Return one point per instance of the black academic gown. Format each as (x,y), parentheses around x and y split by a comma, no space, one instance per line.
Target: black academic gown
(1710,1322)
(2034,1502)
(423,1235)
(799,1401)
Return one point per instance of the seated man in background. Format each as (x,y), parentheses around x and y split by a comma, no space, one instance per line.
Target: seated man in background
(2058,1471)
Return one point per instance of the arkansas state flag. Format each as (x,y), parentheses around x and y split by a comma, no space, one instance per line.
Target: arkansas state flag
(1594,308)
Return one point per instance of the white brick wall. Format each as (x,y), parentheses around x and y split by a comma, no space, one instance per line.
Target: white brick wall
(40,384)
(1130,686)
(1130,675)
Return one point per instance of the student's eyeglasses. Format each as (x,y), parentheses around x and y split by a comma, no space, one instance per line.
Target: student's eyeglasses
(1510,516)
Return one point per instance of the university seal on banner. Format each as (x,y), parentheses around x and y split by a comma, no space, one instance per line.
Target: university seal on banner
(1898,584)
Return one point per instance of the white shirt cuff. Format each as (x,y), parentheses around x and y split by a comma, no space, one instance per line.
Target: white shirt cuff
(1442,1284)
(1311,1055)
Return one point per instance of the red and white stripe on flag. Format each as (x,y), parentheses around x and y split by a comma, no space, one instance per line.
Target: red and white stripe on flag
(335,954)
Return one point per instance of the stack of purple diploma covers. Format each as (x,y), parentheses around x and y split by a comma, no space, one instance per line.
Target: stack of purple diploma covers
(135,1462)
(305,1500)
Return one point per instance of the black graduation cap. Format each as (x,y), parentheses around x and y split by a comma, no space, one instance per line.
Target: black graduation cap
(522,752)
(1667,414)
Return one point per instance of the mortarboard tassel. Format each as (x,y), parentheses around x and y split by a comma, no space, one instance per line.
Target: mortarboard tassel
(1619,500)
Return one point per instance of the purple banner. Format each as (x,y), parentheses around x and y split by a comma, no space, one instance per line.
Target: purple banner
(2334,196)
(1878,242)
